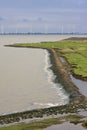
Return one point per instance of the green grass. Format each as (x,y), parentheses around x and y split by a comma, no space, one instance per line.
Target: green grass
(79,62)
(34,125)
(59,44)
(74,51)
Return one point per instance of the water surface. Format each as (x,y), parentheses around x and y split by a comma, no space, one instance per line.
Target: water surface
(66,126)
(25,77)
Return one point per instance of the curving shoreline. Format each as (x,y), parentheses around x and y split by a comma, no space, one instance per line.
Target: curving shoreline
(77,100)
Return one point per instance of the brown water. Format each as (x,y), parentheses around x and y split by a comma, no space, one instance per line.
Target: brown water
(25,77)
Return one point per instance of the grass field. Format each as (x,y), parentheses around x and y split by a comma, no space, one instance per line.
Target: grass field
(75,53)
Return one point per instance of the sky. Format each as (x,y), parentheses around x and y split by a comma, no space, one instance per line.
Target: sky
(43,16)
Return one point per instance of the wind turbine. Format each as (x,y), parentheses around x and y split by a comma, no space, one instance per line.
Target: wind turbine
(62,29)
(46,28)
(2,29)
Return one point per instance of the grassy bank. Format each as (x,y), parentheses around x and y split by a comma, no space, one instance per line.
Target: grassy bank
(74,51)
(40,125)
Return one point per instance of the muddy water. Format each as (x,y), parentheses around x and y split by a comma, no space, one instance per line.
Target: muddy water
(25,77)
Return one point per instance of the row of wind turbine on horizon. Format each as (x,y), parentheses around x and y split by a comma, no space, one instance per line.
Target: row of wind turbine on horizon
(59,28)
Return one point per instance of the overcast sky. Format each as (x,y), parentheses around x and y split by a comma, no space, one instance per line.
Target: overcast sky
(43,15)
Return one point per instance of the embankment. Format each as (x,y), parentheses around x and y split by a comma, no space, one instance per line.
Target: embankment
(63,77)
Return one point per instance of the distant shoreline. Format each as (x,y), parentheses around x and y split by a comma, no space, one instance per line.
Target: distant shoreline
(43,34)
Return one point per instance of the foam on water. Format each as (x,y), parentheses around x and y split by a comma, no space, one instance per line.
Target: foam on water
(43,105)
(51,77)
